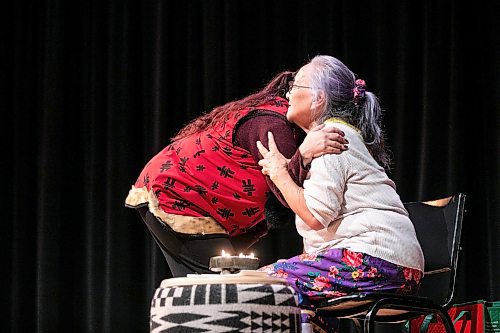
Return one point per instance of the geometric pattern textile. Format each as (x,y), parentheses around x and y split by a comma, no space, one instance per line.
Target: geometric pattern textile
(225,308)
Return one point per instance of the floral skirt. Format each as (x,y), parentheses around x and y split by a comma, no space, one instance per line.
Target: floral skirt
(337,272)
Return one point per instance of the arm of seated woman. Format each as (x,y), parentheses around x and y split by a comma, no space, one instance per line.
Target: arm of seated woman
(274,164)
(294,196)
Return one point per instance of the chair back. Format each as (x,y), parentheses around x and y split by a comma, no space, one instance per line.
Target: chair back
(438,226)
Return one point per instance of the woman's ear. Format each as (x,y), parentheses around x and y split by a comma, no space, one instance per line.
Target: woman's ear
(319,100)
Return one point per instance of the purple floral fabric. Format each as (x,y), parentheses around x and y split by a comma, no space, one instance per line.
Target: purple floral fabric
(337,272)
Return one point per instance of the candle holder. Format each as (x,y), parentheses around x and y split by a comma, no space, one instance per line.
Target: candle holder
(226,264)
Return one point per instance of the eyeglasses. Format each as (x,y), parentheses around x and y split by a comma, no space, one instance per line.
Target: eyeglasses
(291,86)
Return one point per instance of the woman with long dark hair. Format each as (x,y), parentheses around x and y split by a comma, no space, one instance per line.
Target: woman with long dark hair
(204,192)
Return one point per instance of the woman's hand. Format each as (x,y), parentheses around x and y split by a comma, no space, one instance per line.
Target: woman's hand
(275,166)
(322,140)
(273,163)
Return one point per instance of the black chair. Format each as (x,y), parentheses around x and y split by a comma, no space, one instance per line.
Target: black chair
(438,226)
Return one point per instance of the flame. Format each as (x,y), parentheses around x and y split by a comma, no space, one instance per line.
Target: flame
(241,255)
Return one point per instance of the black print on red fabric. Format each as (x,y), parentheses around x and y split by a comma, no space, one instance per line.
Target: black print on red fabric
(236,196)
(225,172)
(166,166)
(178,150)
(198,153)
(169,183)
(181,204)
(225,212)
(228,151)
(245,155)
(277,103)
(215,148)
(251,211)
(200,189)
(198,141)
(145,180)
(243,167)
(215,200)
(215,185)
(188,188)
(248,187)
(200,167)
(182,164)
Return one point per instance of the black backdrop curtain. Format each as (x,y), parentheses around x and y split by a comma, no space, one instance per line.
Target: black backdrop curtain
(92,89)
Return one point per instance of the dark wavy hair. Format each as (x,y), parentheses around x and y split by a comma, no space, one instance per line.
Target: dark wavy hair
(277,87)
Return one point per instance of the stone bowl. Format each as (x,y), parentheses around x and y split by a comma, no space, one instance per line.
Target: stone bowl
(233,264)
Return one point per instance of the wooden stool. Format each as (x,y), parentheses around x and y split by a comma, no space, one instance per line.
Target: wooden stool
(249,301)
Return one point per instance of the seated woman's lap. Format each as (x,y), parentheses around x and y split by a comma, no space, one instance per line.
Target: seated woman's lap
(337,272)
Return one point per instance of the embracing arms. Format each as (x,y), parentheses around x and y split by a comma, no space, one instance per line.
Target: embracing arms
(274,164)
(320,140)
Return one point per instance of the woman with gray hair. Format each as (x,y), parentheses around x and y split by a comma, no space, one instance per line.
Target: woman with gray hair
(356,232)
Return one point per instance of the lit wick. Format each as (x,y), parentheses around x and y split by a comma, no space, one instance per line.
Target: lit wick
(241,255)
(228,264)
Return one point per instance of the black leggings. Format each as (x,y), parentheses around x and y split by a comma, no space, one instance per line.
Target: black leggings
(185,254)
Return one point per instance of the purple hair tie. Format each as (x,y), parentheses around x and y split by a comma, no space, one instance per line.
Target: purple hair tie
(359,89)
